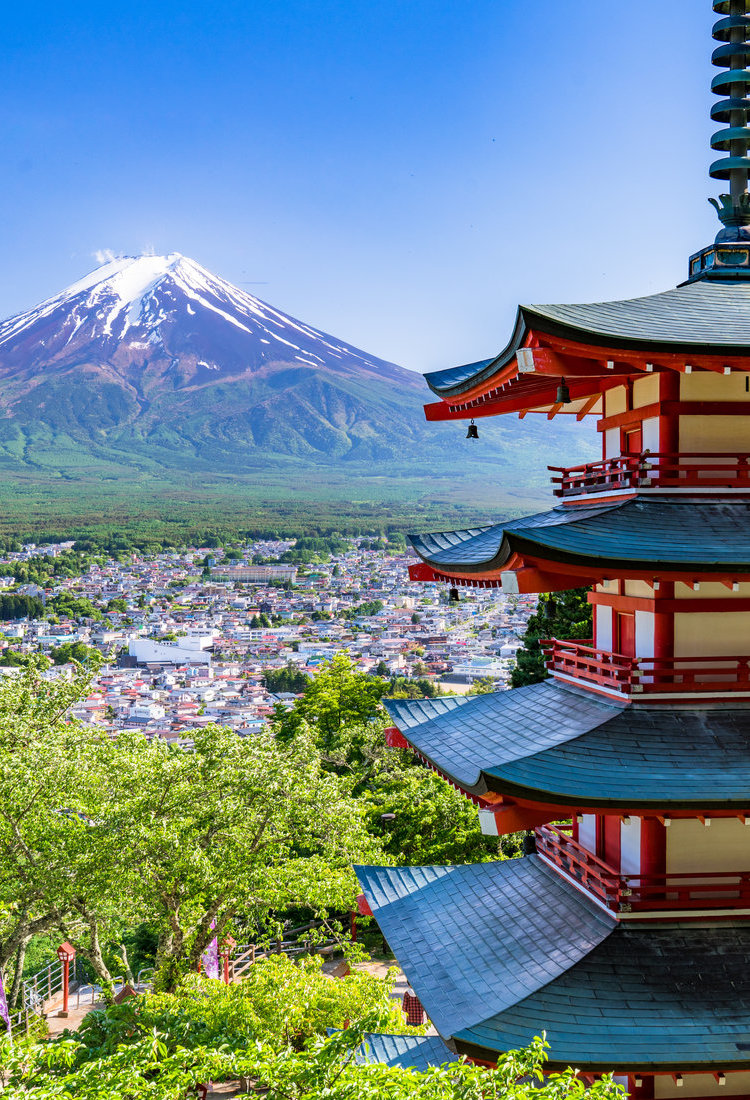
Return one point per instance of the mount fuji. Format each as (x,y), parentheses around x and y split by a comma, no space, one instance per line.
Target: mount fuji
(152,366)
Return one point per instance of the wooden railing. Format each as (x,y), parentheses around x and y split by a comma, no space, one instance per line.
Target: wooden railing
(710,890)
(646,675)
(654,470)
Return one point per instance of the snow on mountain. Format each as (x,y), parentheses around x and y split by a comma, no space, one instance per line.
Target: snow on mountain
(140,301)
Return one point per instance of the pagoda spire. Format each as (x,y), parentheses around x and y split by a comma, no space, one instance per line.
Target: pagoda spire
(731,259)
(733,32)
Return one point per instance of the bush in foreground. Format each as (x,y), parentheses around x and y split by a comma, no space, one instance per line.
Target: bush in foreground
(270,1030)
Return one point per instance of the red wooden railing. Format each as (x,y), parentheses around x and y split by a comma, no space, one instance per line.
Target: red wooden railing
(636,893)
(655,470)
(646,675)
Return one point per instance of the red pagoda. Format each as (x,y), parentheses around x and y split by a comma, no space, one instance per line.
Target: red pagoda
(625,935)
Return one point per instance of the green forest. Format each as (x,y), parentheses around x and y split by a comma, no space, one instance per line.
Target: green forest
(139,853)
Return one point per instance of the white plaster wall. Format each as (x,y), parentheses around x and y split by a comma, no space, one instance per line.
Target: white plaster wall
(603,636)
(639,588)
(711,590)
(615,401)
(703,1084)
(630,847)
(612,443)
(651,434)
(644,634)
(587,832)
(487,822)
(724,845)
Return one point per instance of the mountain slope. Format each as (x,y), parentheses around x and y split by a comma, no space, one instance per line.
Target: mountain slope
(152,364)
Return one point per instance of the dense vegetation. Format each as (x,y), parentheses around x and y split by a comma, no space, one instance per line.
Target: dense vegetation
(139,843)
(558,615)
(270,1031)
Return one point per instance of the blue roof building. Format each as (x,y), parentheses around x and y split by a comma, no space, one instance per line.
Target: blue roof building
(624,933)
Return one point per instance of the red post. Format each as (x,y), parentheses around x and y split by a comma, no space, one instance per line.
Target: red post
(353,926)
(226,947)
(65,953)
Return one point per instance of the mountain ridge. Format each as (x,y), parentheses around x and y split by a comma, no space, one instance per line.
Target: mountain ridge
(152,365)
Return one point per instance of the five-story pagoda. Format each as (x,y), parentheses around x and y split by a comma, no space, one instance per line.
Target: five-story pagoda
(625,936)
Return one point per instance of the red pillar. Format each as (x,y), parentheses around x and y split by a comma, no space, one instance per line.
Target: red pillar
(663,622)
(65,953)
(653,847)
(66,984)
(669,422)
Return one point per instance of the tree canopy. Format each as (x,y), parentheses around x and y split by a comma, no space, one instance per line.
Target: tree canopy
(558,615)
(100,833)
(272,1031)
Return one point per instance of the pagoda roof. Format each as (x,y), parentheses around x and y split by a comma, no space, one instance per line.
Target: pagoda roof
(701,535)
(553,744)
(419,1052)
(498,952)
(701,317)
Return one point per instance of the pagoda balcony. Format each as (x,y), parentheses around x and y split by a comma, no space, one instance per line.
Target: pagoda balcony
(635,894)
(654,470)
(628,677)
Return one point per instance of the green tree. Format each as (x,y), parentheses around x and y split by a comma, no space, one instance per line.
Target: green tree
(558,615)
(75,651)
(286,679)
(336,705)
(433,823)
(271,1030)
(14,605)
(100,834)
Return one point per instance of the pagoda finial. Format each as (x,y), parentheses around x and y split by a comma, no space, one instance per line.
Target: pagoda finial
(729,257)
(733,32)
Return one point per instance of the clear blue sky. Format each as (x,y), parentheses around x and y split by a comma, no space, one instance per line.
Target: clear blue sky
(397,172)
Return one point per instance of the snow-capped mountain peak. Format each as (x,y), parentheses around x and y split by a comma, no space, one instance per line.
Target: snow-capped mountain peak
(171,308)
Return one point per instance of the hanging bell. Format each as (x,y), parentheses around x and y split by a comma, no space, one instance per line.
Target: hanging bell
(473,431)
(563,393)
(453,595)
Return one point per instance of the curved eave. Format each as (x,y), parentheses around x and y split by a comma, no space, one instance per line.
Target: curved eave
(707,319)
(650,1001)
(548,745)
(498,951)
(574,794)
(652,534)
(515,546)
(486,370)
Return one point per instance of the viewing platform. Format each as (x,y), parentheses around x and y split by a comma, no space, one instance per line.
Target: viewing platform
(703,891)
(579,662)
(654,471)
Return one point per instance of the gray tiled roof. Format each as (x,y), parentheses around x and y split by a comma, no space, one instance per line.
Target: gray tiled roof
(499,952)
(551,743)
(474,940)
(643,757)
(469,734)
(644,998)
(697,533)
(701,316)
(417,1052)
